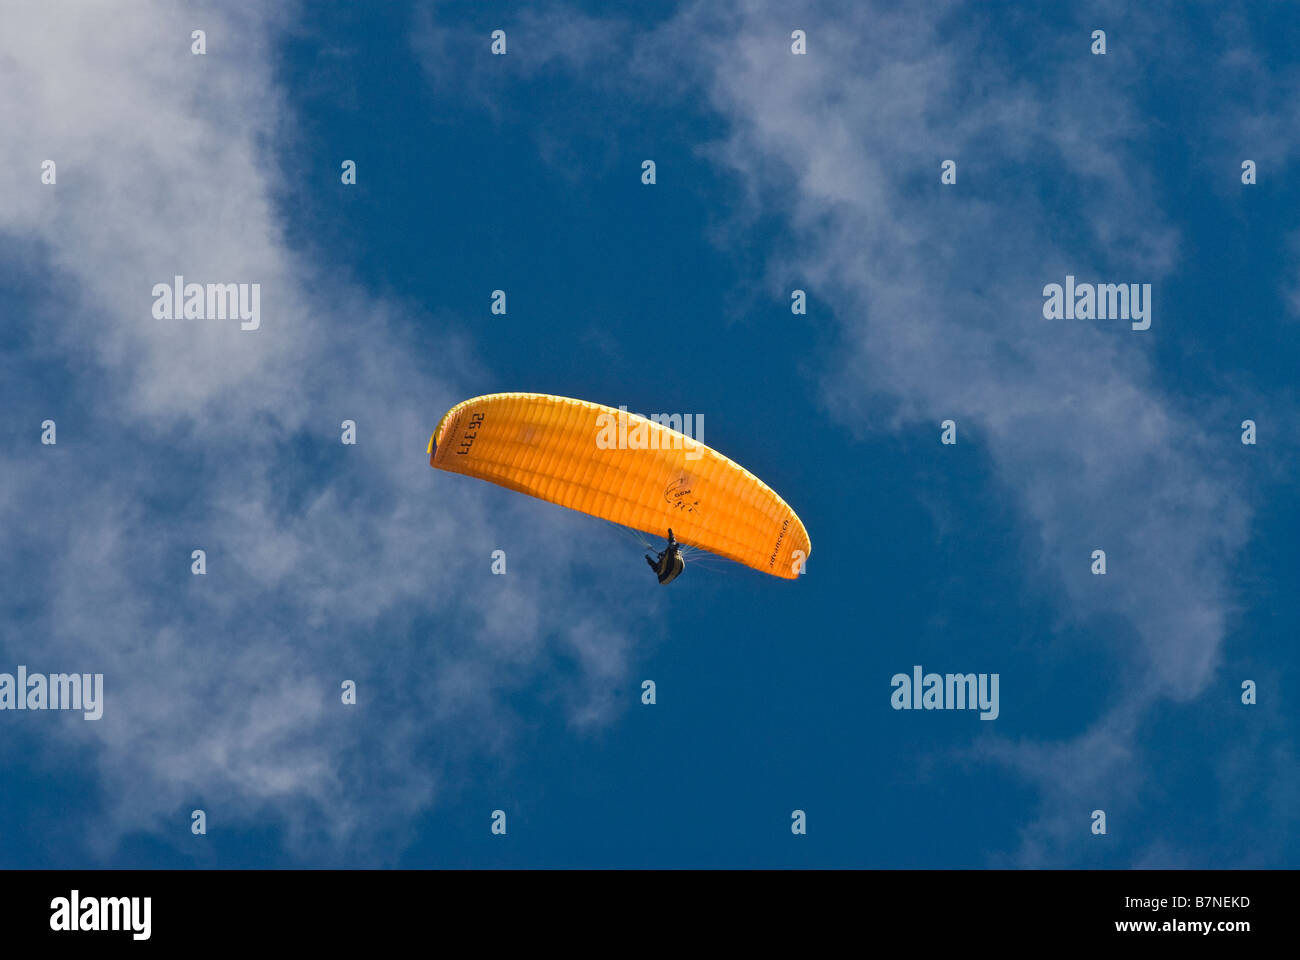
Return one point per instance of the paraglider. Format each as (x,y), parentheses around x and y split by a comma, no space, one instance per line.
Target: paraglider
(671,563)
(644,475)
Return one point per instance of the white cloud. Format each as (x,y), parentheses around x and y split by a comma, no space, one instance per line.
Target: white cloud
(223,691)
(937,291)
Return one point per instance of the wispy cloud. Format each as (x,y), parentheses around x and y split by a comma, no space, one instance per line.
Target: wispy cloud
(937,292)
(325,562)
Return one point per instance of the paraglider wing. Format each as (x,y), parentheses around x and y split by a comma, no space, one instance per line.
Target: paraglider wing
(625,468)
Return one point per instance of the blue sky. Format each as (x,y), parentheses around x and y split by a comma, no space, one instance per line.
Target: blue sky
(774,172)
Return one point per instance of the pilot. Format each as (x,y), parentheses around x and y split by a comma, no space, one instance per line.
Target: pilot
(671,563)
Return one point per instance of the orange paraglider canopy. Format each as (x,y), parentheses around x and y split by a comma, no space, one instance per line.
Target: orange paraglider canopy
(624,468)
